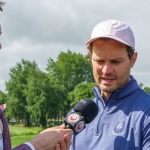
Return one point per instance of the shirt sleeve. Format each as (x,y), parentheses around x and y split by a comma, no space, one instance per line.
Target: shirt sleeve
(30,145)
(146,132)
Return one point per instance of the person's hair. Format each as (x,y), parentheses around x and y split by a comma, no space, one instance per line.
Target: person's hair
(1,4)
(129,49)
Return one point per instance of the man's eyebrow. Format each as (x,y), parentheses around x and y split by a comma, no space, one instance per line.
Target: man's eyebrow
(119,59)
(113,59)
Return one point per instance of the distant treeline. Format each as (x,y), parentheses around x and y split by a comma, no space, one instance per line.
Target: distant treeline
(34,96)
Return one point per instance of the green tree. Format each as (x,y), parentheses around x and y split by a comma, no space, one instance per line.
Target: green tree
(16,87)
(35,97)
(42,98)
(67,71)
(31,96)
(141,85)
(147,89)
(2,97)
(82,90)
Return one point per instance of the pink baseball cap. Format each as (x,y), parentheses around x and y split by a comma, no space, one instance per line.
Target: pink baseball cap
(113,29)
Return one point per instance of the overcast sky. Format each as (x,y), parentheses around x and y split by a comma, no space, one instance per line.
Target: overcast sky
(39,29)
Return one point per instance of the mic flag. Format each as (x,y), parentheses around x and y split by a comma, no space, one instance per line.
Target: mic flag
(83,113)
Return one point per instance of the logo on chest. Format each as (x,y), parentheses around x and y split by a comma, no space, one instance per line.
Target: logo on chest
(119,127)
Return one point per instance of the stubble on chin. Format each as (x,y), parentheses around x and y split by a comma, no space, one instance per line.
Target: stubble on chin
(105,88)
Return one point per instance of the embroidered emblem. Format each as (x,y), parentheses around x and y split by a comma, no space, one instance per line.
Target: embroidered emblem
(119,127)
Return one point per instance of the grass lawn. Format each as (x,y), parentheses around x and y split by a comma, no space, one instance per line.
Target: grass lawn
(17,140)
(21,134)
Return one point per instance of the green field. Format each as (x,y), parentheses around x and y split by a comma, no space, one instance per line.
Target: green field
(17,140)
(21,134)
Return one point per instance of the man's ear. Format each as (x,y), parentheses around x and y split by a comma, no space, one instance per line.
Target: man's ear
(133,59)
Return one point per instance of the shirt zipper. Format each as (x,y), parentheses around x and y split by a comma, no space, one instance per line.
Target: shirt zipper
(102,112)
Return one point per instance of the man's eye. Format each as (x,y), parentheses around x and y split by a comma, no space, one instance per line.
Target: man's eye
(99,61)
(116,62)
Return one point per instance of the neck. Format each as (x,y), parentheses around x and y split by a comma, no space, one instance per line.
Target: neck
(105,96)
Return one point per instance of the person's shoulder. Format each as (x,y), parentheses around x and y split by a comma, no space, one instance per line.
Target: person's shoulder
(144,95)
(142,99)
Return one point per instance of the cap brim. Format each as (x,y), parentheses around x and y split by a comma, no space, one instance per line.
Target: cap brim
(111,37)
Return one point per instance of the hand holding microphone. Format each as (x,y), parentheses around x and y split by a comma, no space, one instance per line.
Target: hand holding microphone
(83,113)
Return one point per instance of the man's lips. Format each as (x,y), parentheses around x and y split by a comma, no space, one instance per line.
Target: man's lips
(107,80)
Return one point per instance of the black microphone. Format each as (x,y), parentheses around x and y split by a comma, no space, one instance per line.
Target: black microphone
(83,113)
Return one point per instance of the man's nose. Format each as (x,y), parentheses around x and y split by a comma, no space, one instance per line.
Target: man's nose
(107,68)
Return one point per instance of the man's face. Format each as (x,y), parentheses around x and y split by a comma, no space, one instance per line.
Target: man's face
(111,64)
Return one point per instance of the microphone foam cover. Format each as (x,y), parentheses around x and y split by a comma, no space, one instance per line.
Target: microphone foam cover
(87,108)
